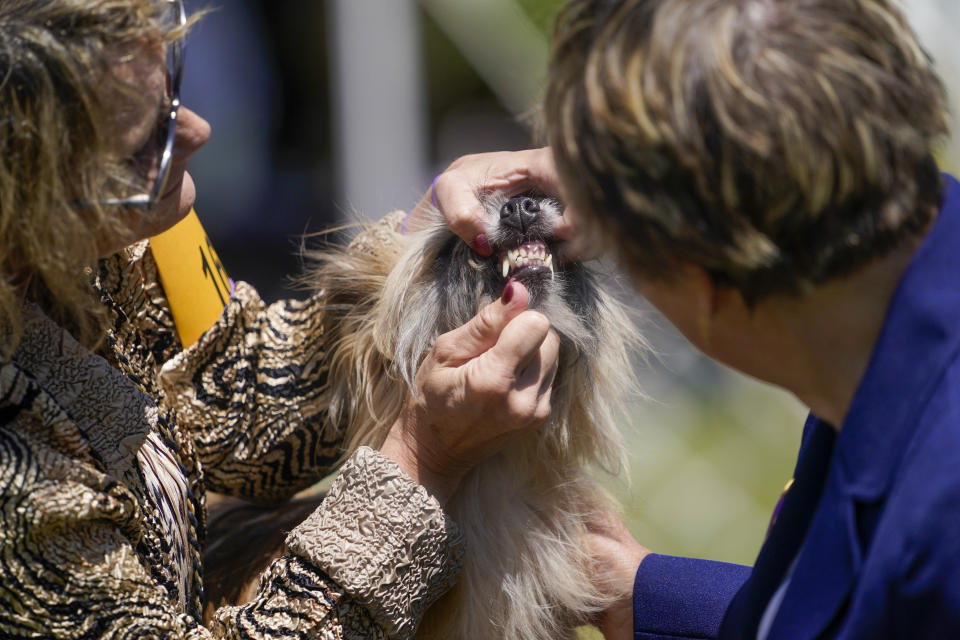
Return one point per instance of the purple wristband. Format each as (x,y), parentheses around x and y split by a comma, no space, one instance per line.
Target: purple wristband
(433,191)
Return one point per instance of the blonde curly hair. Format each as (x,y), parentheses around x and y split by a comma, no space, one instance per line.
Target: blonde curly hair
(776,144)
(56,158)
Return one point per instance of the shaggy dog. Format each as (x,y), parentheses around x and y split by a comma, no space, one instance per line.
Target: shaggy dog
(525,510)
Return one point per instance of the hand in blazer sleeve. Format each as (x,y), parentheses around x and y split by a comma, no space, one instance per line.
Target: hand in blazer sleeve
(683,597)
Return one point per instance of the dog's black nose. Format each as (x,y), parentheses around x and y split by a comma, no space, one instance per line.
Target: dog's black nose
(520,212)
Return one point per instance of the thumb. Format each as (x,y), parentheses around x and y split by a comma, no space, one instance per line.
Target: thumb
(483,330)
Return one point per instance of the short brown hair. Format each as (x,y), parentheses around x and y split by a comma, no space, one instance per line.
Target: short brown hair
(776,144)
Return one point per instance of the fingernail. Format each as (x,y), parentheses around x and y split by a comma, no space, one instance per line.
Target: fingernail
(507,295)
(481,245)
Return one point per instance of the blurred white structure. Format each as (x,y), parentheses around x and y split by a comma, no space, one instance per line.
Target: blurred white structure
(937,23)
(377,95)
(378,89)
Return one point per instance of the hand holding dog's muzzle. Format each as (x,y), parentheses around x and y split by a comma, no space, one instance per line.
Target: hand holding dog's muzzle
(480,386)
(455,191)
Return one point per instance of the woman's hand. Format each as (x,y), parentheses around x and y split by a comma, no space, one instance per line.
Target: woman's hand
(455,190)
(616,556)
(480,385)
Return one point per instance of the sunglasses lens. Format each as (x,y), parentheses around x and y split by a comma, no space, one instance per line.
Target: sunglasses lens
(174,18)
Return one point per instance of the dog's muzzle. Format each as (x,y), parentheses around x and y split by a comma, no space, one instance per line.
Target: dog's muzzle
(530,257)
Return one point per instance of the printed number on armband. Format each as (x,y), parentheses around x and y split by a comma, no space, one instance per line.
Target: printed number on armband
(213,270)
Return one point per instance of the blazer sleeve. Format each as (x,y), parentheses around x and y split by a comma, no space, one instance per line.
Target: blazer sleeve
(250,393)
(362,567)
(366,564)
(253,391)
(683,597)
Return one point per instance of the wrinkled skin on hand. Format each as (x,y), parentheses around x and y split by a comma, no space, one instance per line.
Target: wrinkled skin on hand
(481,385)
(456,190)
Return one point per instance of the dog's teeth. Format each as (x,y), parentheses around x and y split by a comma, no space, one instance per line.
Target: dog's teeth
(512,255)
(549,261)
(506,267)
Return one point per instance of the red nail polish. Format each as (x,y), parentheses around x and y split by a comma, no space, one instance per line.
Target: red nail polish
(481,245)
(507,295)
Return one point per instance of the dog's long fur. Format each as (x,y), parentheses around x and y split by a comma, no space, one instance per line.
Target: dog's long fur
(524,510)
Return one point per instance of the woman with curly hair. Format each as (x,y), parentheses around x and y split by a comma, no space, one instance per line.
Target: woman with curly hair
(111,431)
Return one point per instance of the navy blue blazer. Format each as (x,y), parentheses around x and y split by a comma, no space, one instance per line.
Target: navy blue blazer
(872,522)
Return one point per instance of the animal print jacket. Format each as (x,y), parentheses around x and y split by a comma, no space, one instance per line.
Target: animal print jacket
(104,461)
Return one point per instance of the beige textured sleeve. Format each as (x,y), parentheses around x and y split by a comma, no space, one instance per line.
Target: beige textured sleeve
(253,391)
(384,540)
(251,394)
(365,565)
(380,234)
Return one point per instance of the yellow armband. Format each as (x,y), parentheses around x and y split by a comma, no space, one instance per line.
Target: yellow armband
(192,276)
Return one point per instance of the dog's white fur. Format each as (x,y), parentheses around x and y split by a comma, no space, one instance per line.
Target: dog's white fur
(524,511)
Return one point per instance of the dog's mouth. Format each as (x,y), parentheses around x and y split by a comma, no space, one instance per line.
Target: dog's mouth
(528,260)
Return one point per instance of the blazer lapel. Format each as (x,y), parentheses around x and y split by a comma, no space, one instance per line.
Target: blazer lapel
(825,570)
(787,532)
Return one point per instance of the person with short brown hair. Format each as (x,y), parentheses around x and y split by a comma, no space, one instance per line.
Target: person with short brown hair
(777,145)
(764,171)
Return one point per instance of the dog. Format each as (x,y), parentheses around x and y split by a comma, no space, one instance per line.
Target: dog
(525,510)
